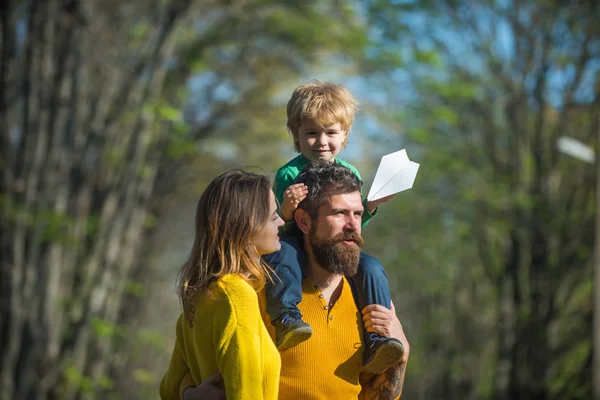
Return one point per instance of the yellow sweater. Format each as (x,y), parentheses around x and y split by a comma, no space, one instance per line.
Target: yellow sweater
(327,365)
(228,336)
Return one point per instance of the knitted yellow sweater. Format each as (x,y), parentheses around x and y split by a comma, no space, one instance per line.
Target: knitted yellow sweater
(228,336)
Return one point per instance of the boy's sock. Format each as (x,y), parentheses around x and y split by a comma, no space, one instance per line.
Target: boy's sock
(382,353)
(290,331)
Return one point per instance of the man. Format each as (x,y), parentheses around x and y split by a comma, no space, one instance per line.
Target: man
(328,365)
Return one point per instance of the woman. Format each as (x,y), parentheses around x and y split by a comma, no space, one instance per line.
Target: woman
(221,329)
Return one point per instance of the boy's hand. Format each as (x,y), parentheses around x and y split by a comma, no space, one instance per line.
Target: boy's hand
(372,205)
(292,196)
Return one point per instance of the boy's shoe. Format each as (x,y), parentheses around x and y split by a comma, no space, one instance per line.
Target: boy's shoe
(382,353)
(290,330)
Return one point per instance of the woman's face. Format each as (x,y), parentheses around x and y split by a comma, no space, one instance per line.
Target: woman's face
(266,240)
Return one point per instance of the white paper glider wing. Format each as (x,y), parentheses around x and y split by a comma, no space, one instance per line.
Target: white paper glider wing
(396,173)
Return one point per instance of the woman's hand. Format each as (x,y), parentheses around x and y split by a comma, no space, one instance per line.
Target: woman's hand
(210,389)
(292,196)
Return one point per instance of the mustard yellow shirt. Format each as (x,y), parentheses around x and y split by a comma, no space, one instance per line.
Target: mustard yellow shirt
(228,336)
(326,366)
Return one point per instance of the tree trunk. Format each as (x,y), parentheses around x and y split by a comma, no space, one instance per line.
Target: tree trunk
(76,183)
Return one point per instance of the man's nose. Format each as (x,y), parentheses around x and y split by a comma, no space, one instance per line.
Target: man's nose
(352,223)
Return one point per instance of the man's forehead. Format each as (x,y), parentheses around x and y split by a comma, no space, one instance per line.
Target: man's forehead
(350,200)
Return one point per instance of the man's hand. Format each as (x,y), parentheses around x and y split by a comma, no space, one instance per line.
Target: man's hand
(372,205)
(292,196)
(210,389)
(385,386)
(388,385)
(380,320)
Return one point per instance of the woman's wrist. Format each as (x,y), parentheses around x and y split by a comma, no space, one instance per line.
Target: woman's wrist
(186,390)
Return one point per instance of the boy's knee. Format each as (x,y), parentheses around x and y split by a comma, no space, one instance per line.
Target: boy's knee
(287,250)
(371,265)
(287,246)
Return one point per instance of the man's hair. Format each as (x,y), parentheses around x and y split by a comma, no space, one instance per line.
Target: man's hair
(323,180)
(321,103)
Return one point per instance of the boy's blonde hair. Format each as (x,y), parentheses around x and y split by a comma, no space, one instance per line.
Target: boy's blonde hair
(321,103)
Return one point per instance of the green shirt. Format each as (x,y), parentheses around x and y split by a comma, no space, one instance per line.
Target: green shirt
(285,177)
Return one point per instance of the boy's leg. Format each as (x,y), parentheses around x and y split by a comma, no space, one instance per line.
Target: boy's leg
(283,295)
(370,286)
(371,283)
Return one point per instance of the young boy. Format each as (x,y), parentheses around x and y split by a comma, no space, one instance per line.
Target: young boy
(320,116)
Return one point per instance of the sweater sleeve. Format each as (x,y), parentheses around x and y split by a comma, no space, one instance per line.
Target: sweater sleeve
(367,216)
(188,380)
(170,386)
(240,365)
(240,354)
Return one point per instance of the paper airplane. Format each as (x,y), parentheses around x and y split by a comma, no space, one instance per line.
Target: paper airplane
(396,173)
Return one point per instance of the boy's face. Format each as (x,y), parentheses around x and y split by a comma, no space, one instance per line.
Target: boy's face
(320,143)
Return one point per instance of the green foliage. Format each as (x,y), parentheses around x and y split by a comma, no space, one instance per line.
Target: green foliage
(73,376)
(150,338)
(114,157)
(142,375)
(134,288)
(87,384)
(467,238)
(104,329)
(563,378)
(144,171)
(180,145)
(170,114)
(150,221)
(53,226)
(429,57)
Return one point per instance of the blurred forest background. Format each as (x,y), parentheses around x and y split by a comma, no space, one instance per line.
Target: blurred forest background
(115,114)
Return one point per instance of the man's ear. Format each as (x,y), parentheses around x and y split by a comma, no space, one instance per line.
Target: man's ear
(303,220)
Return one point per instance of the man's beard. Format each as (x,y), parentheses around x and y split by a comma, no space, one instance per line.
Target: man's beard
(333,255)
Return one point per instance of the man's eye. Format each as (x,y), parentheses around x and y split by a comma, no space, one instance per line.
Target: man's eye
(332,133)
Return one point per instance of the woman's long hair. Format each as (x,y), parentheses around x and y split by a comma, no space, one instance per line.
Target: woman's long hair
(233,208)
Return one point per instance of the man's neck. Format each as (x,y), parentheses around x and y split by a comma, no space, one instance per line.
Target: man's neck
(330,284)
